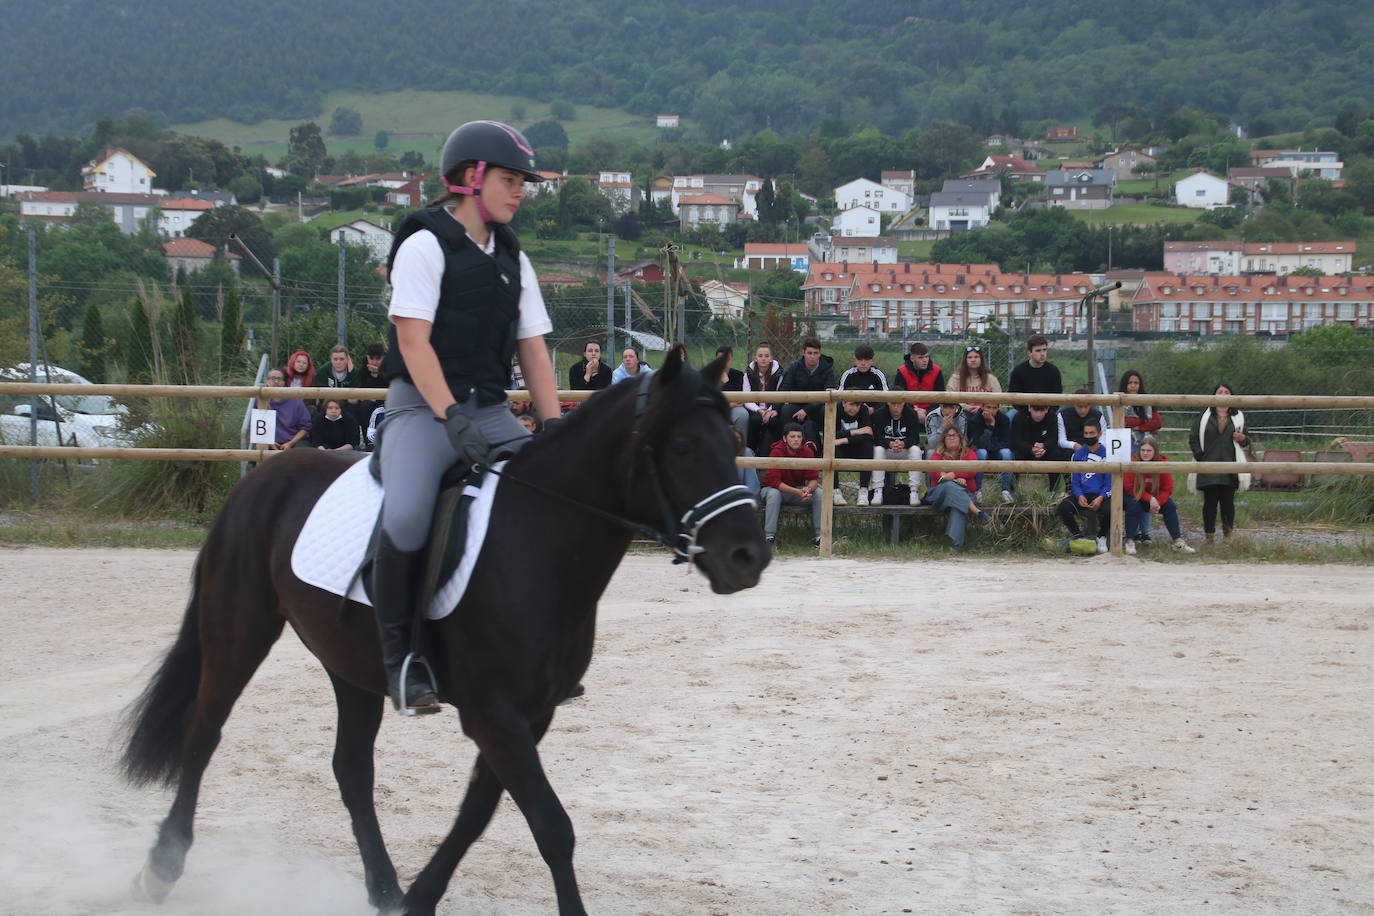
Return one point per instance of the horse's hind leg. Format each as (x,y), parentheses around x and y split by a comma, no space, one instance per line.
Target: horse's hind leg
(360,715)
(233,647)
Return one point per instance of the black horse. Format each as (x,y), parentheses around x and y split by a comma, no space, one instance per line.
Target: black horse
(519,640)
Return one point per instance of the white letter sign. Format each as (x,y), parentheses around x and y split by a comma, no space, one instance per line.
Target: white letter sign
(263,427)
(1118,443)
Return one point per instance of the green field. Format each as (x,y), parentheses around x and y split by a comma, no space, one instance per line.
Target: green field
(418,121)
(1137,214)
(1143,185)
(918,250)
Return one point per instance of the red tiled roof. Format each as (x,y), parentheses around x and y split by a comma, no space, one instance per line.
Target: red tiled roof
(187,247)
(1167,287)
(100,197)
(706,200)
(774,248)
(187,203)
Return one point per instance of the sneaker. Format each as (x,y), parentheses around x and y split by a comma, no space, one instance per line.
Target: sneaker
(1007,498)
(770,539)
(1130,547)
(816,541)
(839,498)
(863,497)
(1182,546)
(1101,545)
(915,499)
(1143,537)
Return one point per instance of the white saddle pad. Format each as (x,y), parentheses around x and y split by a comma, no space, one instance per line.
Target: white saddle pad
(334,541)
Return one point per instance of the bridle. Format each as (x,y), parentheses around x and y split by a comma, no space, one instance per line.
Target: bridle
(677,534)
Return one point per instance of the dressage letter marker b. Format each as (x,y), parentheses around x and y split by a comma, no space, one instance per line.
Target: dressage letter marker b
(263,427)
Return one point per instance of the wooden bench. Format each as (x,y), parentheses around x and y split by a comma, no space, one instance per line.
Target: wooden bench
(893,515)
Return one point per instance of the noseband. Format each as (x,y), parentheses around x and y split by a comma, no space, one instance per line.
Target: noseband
(682,540)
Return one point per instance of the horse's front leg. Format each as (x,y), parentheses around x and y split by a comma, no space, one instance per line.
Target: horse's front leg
(360,715)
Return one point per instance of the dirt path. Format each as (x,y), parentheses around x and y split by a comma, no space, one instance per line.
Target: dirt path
(850,737)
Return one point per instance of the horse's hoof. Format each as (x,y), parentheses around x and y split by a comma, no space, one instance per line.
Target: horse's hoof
(148,886)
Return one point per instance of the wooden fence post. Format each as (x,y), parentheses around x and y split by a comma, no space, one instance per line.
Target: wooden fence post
(829,478)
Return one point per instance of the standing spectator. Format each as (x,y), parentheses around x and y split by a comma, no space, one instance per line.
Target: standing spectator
(790,487)
(631,366)
(765,419)
(813,372)
(589,373)
(920,373)
(1037,375)
(973,376)
(1073,419)
(1219,435)
(370,377)
(953,491)
(1149,494)
(989,435)
(937,421)
(293,417)
(854,439)
(897,436)
(863,375)
(335,430)
(1090,493)
(1141,419)
(1035,437)
(300,370)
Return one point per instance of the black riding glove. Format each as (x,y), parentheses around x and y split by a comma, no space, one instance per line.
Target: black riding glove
(467,440)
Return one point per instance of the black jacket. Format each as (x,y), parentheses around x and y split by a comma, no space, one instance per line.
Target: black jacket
(577,377)
(906,427)
(991,438)
(798,378)
(1026,431)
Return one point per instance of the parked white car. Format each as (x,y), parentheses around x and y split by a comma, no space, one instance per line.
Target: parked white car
(85,420)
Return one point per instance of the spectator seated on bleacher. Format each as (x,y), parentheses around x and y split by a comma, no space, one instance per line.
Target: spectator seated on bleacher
(896,436)
(589,373)
(973,376)
(863,375)
(1141,419)
(953,492)
(765,419)
(1073,419)
(1090,492)
(293,417)
(813,372)
(341,374)
(790,486)
(731,379)
(919,372)
(370,377)
(1035,437)
(1150,494)
(853,439)
(631,366)
(938,420)
(989,434)
(334,430)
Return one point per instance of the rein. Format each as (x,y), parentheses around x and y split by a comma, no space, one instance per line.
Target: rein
(682,540)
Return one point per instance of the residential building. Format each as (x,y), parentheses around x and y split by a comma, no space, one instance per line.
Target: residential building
(1202,190)
(1125,161)
(1253,179)
(1080,189)
(1232,258)
(642,271)
(619,188)
(1259,303)
(661,188)
(185,255)
(990,188)
(739,188)
(128,210)
(175,215)
(902,180)
(863,192)
(695,209)
(829,284)
(1319,163)
(959,210)
(410,194)
(768,255)
(364,232)
(841,248)
(1062,132)
(861,221)
(1016,168)
(726,300)
(118,171)
(667,120)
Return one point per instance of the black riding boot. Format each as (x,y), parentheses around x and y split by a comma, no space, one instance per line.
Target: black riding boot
(396,576)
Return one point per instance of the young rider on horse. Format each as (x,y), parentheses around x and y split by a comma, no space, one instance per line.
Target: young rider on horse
(464,301)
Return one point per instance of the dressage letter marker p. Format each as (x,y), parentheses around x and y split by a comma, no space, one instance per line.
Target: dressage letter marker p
(1118,443)
(263,427)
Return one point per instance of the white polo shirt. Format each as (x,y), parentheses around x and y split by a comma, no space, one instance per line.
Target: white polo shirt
(418,272)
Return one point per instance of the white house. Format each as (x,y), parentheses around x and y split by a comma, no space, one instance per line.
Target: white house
(1202,191)
(619,188)
(667,121)
(903,181)
(176,216)
(877,250)
(959,210)
(695,209)
(862,221)
(726,300)
(128,210)
(365,232)
(989,188)
(739,188)
(861,192)
(118,172)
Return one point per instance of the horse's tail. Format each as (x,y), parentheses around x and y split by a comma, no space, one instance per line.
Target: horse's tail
(156,722)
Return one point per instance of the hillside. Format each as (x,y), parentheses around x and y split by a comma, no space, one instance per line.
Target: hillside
(732,68)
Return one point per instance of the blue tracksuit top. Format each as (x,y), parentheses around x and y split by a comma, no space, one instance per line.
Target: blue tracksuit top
(1090,484)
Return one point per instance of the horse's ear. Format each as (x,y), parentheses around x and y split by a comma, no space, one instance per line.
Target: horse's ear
(713,372)
(672,365)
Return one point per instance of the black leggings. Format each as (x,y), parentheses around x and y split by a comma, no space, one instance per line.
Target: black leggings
(856,447)
(1218,495)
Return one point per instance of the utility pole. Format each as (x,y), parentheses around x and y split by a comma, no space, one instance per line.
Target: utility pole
(343,325)
(273,277)
(33,360)
(610,293)
(629,319)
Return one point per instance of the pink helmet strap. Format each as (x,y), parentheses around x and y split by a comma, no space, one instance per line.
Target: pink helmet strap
(474,192)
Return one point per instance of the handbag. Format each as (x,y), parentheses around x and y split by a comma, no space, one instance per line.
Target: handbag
(896,494)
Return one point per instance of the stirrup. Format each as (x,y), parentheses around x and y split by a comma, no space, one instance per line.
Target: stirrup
(400,701)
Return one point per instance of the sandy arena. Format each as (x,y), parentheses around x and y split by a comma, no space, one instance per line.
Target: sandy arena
(849,737)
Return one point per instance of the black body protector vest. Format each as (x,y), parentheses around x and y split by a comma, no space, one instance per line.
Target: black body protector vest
(479,309)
